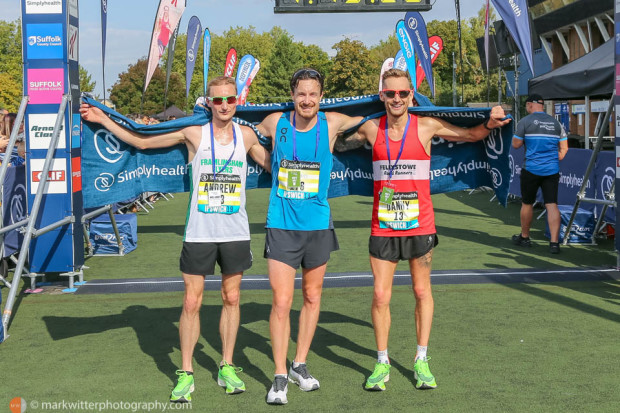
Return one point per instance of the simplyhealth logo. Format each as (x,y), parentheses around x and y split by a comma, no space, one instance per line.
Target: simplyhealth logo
(44,41)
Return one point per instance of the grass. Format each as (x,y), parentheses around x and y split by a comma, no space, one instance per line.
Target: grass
(473,234)
(550,347)
(513,347)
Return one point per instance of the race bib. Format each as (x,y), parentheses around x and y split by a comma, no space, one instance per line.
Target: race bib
(298,179)
(221,195)
(401,213)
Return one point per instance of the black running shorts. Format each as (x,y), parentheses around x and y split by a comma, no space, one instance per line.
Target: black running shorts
(531,182)
(401,248)
(309,249)
(199,258)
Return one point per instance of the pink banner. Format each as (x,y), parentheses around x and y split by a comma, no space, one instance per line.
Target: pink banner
(166,21)
(46,86)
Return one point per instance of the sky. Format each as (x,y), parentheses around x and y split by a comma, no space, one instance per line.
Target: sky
(130,23)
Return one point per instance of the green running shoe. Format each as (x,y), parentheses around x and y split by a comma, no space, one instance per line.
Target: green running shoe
(378,378)
(185,386)
(423,375)
(227,377)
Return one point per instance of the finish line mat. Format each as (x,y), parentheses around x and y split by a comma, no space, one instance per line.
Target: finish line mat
(261,282)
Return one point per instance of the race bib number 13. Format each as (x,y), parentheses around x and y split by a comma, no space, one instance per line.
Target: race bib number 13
(401,213)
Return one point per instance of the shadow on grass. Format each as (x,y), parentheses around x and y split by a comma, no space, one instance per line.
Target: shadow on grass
(608,290)
(156,331)
(535,257)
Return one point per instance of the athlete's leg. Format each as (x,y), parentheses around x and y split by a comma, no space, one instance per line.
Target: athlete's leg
(553,218)
(383,273)
(229,320)
(282,280)
(424,305)
(312,287)
(189,324)
(527,212)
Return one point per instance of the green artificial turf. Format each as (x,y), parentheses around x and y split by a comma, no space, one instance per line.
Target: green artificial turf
(513,348)
(474,233)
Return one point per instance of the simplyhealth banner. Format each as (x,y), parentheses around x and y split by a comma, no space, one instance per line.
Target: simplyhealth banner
(114,171)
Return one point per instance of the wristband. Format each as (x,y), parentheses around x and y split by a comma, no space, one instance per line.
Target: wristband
(486,124)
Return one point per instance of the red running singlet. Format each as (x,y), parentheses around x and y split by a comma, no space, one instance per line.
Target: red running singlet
(408,210)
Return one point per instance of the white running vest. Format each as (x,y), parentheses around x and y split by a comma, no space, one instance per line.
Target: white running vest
(216,211)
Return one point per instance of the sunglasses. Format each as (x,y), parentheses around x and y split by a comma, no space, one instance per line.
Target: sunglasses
(390,94)
(218,100)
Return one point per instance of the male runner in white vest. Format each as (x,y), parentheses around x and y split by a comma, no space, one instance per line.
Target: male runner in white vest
(403,226)
(217,228)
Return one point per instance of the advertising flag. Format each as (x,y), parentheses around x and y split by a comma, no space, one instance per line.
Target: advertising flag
(194,30)
(104,24)
(206,46)
(387,65)
(517,20)
(173,42)
(231,62)
(246,64)
(486,35)
(246,89)
(399,61)
(435,44)
(407,47)
(416,28)
(166,20)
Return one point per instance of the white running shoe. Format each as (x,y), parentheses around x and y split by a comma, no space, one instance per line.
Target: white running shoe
(277,393)
(300,376)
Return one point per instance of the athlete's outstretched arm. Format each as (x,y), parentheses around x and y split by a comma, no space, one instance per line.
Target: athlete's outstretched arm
(258,152)
(443,129)
(164,140)
(268,126)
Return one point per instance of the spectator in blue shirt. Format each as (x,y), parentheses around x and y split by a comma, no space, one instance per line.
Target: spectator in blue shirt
(546,145)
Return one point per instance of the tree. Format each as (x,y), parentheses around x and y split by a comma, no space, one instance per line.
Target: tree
(282,63)
(10,65)
(87,84)
(353,71)
(126,93)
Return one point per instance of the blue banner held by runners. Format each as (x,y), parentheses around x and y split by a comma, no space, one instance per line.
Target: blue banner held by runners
(194,30)
(408,51)
(517,20)
(416,28)
(114,171)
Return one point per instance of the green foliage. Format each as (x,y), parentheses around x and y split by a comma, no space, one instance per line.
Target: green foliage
(285,58)
(10,65)
(87,84)
(126,93)
(354,71)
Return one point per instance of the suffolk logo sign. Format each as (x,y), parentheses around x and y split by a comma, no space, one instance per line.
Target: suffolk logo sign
(45,86)
(44,41)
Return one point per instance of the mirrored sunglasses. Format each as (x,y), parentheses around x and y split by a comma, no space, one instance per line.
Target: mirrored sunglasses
(218,100)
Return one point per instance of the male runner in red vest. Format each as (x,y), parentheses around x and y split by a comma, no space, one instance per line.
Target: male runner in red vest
(403,222)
